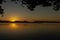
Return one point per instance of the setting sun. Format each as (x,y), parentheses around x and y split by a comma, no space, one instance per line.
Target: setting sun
(13,20)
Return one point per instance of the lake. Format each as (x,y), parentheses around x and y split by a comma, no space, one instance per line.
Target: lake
(43,31)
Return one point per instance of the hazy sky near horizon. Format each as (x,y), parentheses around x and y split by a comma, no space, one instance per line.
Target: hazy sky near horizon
(17,12)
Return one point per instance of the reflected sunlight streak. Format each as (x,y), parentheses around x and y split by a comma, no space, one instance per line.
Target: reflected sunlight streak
(13,25)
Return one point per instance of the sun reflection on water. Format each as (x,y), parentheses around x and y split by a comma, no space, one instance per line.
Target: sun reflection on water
(13,26)
(16,26)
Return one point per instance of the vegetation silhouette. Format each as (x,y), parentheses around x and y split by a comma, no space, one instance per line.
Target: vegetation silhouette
(5,21)
(31,4)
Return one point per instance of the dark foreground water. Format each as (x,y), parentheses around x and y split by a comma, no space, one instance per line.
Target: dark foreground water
(29,31)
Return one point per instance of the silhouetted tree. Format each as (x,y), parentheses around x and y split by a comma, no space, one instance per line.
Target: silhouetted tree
(31,4)
(1,11)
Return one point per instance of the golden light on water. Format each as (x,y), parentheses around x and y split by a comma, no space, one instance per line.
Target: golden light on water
(13,26)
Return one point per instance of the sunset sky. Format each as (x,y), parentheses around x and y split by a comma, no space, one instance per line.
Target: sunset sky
(17,12)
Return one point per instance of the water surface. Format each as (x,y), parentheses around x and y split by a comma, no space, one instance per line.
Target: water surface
(29,30)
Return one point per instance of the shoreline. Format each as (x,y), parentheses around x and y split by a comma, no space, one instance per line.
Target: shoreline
(29,22)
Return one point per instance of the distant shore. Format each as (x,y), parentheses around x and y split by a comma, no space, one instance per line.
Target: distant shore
(30,22)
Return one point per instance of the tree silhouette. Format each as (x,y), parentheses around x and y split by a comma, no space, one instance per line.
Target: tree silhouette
(31,4)
(1,11)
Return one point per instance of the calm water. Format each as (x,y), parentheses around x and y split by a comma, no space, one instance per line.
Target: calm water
(29,30)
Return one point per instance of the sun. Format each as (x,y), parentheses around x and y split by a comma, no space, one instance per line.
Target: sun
(13,20)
